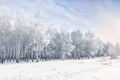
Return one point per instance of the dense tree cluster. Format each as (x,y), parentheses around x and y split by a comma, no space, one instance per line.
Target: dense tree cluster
(30,38)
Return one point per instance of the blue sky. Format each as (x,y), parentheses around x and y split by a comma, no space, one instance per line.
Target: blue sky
(99,16)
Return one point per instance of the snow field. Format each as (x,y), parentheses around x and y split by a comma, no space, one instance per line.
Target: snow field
(93,69)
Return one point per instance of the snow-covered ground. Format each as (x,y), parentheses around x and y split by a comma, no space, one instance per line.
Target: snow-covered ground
(93,69)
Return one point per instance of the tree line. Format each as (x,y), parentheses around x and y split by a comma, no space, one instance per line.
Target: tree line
(30,38)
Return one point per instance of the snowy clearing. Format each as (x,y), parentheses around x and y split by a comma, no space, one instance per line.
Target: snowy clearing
(94,69)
